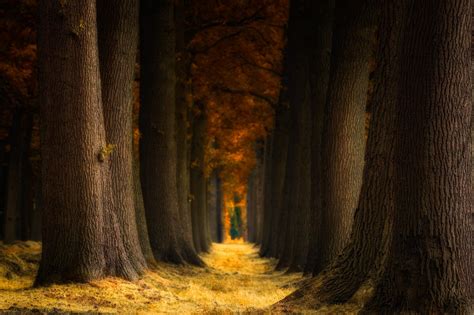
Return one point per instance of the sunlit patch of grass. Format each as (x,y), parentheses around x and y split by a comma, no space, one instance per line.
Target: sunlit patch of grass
(236,280)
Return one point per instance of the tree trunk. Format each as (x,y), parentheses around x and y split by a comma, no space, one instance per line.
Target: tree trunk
(219,208)
(266,207)
(19,139)
(373,218)
(259,196)
(298,97)
(279,156)
(27,200)
(428,268)
(81,238)
(251,235)
(344,138)
(183,175)
(212,205)
(158,126)
(198,181)
(372,222)
(140,216)
(323,16)
(118,40)
(290,197)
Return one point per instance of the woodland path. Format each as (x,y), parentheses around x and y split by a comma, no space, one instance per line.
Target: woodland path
(236,280)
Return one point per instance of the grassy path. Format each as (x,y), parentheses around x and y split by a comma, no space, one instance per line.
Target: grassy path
(236,280)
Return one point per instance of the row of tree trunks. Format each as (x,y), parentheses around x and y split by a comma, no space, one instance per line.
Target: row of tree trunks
(410,234)
(287,163)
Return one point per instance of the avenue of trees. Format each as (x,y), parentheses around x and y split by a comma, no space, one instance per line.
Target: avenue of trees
(346,125)
(367,174)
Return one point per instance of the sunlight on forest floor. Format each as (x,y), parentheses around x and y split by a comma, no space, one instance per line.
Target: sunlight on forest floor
(236,280)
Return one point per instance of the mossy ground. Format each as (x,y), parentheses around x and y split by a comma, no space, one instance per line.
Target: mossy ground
(236,280)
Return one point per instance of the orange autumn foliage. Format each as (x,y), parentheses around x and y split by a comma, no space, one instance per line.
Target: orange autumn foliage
(236,63)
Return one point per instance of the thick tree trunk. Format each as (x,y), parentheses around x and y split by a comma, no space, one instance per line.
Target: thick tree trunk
(323,16)
(279,155)
(118,40)
(344,138)
(428,268)
(372,222)
(297,177)
(158,126)
(140,216)
(290,196)
(198,181)
(183,175)
(373,218)
(267,208)
(19,139)
(300,96)
(81,238)
(259,196)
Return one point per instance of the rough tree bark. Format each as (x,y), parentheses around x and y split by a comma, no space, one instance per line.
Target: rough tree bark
(323,17)
(343,135)
(140,216)
(298,98)
(158,126)
(118,40)
(183,175)
(369,241)
(428,268)
(81,238)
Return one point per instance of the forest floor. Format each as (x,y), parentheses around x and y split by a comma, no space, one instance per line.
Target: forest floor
(236,280)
